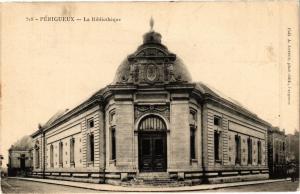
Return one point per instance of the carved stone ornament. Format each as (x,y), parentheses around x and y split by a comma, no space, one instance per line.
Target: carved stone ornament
(141,110)
(151,72)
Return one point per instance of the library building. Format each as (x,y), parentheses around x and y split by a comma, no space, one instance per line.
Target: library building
(153,122)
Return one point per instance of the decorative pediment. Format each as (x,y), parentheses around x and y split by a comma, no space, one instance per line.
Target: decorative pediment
(152,53)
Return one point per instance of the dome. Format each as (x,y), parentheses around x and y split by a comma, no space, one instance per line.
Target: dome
(157,54)
(179,70)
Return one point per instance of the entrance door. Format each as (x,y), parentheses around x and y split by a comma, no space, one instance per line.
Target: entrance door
(152,145)
(22,161)
(152,152)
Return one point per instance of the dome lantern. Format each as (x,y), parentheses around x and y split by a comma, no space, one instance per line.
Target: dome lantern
(152,36)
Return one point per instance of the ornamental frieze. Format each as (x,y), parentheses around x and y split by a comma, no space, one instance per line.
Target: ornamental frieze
(141,110)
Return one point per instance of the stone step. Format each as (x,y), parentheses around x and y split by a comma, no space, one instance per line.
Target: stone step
(156,184)
(155,179)
(153,175)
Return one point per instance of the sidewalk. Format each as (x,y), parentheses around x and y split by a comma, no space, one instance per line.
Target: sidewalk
(113,188)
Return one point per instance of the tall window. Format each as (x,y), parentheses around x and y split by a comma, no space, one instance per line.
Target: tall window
(192,143)
(217,138)
(61,154)
(249,143)
(113,144)
(37,157)
(237,149)
(72,151)
(51,157)
(90,143)
(217,145)
(258,152)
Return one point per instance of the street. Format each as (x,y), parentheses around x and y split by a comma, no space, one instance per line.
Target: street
(267,187)
(21,186)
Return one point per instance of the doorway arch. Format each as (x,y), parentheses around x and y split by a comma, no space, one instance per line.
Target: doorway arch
(152,144)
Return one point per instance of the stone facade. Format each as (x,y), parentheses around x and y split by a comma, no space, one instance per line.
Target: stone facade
(19,161)
(277,152)
(153,118)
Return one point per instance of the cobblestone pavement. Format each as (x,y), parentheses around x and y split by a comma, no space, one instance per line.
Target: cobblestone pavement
(22,186)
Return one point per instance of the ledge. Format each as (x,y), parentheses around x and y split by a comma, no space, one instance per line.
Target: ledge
(80,175)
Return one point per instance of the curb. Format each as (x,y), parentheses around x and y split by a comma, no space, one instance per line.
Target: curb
(113,188)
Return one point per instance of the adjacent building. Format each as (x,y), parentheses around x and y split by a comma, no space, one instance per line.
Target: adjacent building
(153,118)
(277,153)
(20,157)
(292,141)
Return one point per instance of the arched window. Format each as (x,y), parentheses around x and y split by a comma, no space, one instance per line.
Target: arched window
(152,123)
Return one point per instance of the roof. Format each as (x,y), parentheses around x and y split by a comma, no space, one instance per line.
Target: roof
(64,114)
(23,144)
(152,40)
(208,90)
(57,115)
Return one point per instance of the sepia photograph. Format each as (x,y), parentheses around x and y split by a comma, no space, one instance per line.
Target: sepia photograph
(175,96)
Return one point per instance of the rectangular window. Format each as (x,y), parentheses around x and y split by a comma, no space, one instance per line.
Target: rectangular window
(258,152)
(249,142)
(72,151)
(217,145)
(51,157)
(90,123)
(90,148)
(61,146)
(237,149)
(113,144)
(192,143)
(217,121)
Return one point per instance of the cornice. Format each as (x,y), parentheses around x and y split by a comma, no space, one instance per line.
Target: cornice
(236,108)
(103,96)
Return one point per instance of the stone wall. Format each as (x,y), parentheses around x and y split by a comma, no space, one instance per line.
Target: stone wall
(179,135)
(15,161)
(232,124)
(77,128)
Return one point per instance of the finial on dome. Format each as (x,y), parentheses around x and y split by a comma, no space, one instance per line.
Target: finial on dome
(151,23)
(152,36)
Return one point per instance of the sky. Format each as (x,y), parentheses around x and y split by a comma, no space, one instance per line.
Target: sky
(241,49)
